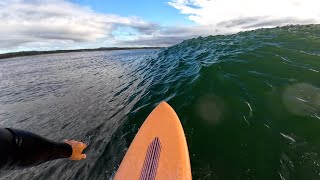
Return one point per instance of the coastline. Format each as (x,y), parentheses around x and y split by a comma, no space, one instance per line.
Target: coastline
(31,53)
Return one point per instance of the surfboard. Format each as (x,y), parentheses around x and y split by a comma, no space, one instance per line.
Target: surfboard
(159,149)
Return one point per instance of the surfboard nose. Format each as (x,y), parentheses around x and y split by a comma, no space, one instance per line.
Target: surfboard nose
(159,150)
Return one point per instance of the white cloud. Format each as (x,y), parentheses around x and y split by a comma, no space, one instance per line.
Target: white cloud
(231,16)
(60,24)
(168,36)
(29,23)
(239,15)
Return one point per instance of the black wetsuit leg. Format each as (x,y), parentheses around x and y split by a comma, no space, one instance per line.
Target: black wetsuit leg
(20,148)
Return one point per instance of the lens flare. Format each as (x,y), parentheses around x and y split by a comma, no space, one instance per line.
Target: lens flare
(302,99)
(210,108)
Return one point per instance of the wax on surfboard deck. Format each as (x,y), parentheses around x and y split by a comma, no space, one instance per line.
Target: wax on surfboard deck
(159,150)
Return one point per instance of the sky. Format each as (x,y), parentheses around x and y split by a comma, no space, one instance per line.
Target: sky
(73,24)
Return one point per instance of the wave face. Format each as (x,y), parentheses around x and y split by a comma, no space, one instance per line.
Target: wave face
(249,103)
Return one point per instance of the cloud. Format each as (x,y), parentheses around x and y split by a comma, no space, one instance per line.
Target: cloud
(167,36)
(214,17)
(60,24)
(241,15)
(27,23)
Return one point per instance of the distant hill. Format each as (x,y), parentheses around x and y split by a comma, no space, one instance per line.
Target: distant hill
(30,53)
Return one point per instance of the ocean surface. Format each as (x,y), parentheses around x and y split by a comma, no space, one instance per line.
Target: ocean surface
(249,103)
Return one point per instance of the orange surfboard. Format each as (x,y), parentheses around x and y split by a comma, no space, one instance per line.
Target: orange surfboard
(159,150)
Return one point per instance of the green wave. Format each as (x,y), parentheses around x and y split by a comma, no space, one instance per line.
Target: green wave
(249,102)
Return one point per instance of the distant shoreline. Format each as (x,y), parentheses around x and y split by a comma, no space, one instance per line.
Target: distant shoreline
(31,53)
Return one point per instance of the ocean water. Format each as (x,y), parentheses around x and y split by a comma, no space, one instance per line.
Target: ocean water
(249,103)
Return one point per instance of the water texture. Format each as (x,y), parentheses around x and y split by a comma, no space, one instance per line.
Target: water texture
(249,103)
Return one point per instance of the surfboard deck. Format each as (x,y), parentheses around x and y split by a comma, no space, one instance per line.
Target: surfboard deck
(159,149)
